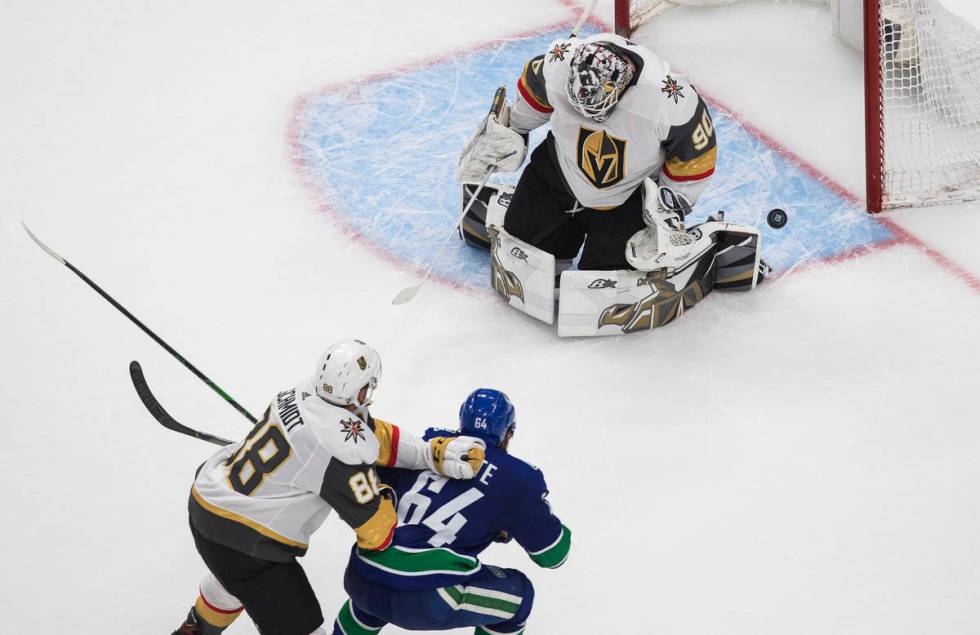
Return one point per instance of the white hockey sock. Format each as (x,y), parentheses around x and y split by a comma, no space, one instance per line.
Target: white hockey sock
(215,605)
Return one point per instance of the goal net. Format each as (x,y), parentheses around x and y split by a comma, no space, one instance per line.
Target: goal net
(922,91)
(928,103)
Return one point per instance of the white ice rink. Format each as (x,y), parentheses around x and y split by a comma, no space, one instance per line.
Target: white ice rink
(799,460)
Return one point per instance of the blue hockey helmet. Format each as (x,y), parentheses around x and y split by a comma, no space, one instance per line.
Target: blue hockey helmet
(487,414)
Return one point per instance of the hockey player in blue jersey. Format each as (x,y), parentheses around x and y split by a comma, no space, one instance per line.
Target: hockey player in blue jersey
(431,578)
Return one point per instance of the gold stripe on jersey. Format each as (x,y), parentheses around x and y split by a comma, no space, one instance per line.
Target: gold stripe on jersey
(697,168)
(387,435)
(262,529)
(376,532)
(213,616)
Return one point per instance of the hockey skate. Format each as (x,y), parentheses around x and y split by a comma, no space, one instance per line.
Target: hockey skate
(194,625)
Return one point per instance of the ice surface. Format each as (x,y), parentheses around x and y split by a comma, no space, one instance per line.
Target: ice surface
(798,459)
(396,190)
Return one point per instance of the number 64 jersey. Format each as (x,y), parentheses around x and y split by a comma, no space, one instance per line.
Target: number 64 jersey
(266,495)
(443,524)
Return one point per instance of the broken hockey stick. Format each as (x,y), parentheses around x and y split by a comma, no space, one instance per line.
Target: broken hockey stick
(406,294)
(213,386)
(161,415)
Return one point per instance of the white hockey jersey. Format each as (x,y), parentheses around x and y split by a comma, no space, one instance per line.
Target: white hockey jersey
(267,494)
(660,127)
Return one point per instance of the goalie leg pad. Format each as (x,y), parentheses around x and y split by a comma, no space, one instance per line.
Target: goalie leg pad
(488,209)
(738,258)
(617,302)
(585,297)
(523,274)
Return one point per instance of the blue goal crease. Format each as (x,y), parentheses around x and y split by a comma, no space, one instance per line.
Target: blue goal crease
(382,153)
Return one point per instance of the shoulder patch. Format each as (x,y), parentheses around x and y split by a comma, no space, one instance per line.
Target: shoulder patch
(353,429)
(340,433)
(558,52)
(672,89)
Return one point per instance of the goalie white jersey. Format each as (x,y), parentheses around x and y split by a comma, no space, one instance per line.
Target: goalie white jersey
(267,494)
(660,127)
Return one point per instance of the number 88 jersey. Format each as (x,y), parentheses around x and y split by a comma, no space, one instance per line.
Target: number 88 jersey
(266,495)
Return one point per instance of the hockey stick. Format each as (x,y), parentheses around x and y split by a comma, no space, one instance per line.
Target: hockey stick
(582,18)
(161,415)
(142,326)
(406,294)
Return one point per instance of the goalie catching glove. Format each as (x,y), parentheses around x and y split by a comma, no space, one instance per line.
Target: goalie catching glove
(664,243)
(455,457)
(492,145)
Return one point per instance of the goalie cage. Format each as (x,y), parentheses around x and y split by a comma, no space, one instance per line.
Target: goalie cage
(922,98)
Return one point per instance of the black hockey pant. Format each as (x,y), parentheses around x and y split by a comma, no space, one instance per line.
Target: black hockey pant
(539,214)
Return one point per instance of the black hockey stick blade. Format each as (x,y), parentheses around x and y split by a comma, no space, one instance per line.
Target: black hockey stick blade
(161,415)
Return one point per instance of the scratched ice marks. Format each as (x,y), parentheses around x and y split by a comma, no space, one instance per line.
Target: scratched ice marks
(381,153)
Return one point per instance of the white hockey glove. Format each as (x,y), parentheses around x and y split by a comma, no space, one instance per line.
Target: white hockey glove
(455,457)
(493,144)
(664,243)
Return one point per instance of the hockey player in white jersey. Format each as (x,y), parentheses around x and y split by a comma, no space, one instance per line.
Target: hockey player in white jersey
(254,504)
(631,149)
(618,115)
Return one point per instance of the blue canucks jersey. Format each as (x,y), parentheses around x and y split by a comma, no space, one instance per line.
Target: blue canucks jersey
(444,524)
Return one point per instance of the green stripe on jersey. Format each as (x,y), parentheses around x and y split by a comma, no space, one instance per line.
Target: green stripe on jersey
(349,624)
(485,601)
(554,555)
(405,561)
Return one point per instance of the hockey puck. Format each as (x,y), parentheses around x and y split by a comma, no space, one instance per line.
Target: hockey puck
(776,218)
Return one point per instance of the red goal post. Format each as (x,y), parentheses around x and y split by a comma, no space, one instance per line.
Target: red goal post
(922,94)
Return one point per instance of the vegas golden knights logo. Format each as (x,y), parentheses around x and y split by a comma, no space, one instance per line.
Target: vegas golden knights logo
(504,282)
(601,157)
(662,306)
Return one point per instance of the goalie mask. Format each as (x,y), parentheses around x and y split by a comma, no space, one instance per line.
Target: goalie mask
(597,78)
(347,373)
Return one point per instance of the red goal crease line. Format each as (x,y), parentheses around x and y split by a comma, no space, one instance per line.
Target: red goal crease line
(902,236)
(319,200)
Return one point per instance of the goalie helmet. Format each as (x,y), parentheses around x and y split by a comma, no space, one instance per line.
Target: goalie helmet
(597,77)
(487,414)
(347,373)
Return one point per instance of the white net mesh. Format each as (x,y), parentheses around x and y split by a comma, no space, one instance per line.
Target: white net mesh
(642,11)
(930,104)
(930,98)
